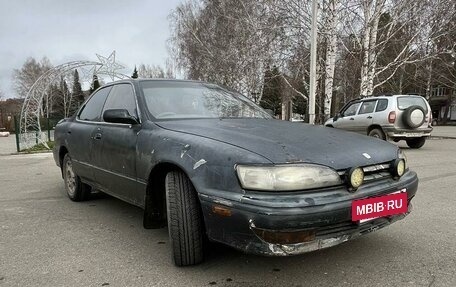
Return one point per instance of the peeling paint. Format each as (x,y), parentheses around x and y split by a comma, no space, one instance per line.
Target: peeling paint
(223,202)
(184,150)
(199,163)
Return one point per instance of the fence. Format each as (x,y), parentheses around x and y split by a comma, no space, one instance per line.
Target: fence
(33,137)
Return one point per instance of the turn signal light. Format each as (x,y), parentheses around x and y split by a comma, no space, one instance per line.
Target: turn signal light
(392,117)
(221,210)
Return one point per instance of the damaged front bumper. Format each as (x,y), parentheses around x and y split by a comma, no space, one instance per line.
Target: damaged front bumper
(289,225)
(324,238)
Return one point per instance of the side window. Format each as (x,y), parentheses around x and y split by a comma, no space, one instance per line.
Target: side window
(367,107)
(351,110)
(92,109)
(381,105)
(122,97)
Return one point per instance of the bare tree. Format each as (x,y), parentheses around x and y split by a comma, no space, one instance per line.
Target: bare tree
(27,75)
(365,45)
(227,42)
(150,71)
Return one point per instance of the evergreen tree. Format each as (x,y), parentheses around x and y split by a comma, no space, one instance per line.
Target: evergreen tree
(77,94)
(95,84)
(135,74)
(58,101)
(272,91)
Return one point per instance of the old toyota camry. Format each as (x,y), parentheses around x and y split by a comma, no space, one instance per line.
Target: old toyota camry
(209,163)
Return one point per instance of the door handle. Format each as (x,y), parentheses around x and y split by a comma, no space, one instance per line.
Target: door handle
(352,119)
(97,136)
(369,117)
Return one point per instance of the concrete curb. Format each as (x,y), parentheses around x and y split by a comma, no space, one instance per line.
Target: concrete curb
(442,138)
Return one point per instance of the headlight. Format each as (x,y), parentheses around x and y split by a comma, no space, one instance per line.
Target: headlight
(287,177)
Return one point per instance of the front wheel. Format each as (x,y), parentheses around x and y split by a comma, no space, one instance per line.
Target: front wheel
(185,224)
(75,189)
(416,142)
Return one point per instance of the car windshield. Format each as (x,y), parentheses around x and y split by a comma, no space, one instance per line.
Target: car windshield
(405,102)
(178,100)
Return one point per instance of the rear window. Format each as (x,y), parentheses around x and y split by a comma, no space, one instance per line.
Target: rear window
(405,102)
(381,105)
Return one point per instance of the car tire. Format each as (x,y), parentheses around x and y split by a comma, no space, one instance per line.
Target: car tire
(414,116)
(416,142)
(377,133)
(74,187)
(185,224)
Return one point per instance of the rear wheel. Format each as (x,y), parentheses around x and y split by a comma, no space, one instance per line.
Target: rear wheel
(416,142)
(185,223)
(377,133)
(75,189)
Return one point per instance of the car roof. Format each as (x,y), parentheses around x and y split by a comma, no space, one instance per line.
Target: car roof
(386,96)
(155,79)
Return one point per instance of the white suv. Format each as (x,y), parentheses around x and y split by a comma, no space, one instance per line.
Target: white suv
(395,117)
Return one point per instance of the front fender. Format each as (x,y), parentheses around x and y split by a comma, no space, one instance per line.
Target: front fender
(210,164)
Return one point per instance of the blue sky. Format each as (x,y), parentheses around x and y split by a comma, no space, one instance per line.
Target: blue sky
(64,30)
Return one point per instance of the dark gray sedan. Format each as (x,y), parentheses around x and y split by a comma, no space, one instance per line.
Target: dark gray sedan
(209,163)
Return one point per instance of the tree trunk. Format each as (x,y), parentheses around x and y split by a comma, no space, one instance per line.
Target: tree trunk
(429,79)
(372,13)
(330,62)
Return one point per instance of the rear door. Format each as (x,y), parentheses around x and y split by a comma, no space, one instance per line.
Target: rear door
(364,118)
(80,136)
(116,150)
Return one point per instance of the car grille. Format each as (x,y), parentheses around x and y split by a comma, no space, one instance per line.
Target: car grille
(372,172)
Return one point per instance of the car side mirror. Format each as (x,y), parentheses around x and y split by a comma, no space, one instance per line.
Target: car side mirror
(336,117)
(121,116)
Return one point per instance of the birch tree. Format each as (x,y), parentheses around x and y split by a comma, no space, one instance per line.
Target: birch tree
(331,52)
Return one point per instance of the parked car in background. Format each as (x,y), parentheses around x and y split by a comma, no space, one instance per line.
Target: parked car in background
(4,132)
(209,163)
(395,117)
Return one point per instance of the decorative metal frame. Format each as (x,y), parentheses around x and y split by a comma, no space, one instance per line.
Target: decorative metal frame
(31,112)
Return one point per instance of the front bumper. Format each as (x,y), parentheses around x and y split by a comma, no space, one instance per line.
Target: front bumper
(328,223)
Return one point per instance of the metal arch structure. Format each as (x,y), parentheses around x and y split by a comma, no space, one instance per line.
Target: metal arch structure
(30,132)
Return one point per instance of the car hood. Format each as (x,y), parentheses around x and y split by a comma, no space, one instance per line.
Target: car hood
(286,142)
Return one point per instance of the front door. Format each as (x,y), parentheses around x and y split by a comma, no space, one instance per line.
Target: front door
(115,151)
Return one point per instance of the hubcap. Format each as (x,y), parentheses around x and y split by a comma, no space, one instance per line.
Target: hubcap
(70,178)
(417,117)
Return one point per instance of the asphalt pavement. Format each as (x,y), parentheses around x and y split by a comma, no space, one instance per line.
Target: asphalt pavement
(47,240)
